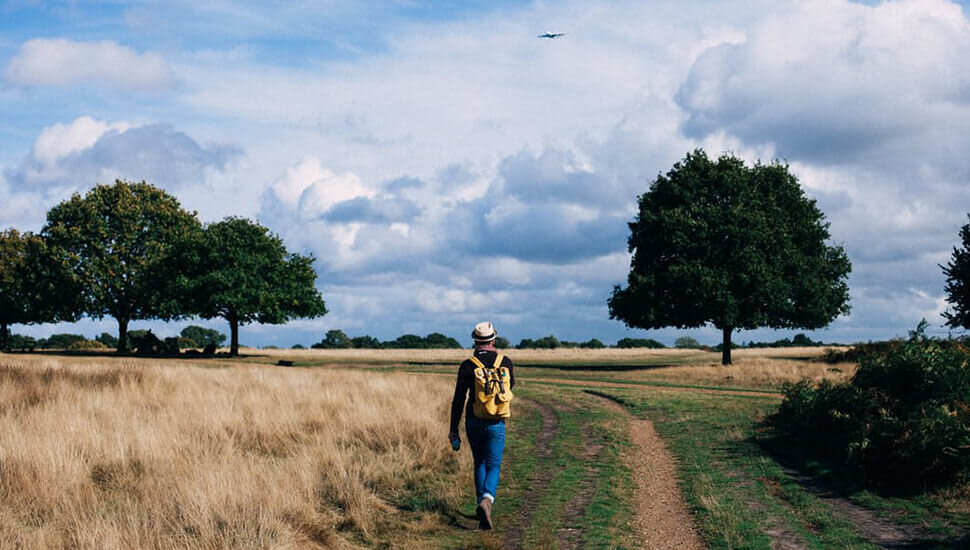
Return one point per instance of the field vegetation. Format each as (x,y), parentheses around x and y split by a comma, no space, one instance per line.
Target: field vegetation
(101,453)
(117,452)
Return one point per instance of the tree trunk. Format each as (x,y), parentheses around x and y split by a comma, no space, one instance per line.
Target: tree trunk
(4,336)
(234,331)
(726,346)
(122,335)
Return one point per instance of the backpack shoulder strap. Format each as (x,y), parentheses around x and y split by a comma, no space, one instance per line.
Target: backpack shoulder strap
(476,362)
(498,361)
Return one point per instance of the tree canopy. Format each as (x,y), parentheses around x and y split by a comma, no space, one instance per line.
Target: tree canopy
(237,270)
(35,287)
(957,287)
(114,238)
(739,247)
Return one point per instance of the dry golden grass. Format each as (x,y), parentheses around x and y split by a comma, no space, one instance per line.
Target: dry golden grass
(116,453)
(751,371)
(755,368)
(560,355)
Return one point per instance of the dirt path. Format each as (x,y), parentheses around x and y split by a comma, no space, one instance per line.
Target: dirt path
(661,520)
(540,481)
(875,529)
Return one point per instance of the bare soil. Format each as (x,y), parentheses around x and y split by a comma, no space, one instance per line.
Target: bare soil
(662,520)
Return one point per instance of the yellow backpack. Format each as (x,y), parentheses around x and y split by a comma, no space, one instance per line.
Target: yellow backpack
(493,390)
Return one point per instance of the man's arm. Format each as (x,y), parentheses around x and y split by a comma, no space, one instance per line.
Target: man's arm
(458,400)
(506,362)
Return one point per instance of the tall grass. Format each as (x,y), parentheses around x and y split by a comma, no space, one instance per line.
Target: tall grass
(127,454)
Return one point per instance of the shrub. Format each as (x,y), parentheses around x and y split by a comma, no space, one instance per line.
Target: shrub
(86,345)
(502,343)
(639,343)
(436,340)
(365,342)
(108,339)
(21,342)
(902,422)
(858,351)
(593,343)
(686,342)
(199,337)
(60,341)
(526,343)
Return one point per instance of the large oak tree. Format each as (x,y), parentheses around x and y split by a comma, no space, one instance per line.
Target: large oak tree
(115,239)
(237,270)
(35,287)
(718,242)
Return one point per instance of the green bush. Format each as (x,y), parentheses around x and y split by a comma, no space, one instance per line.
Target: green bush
(21,342)
(592,343)
(109,340)
(86,345)
(59,341)
(639,343)
(194,336)
(687,342)
(902,423)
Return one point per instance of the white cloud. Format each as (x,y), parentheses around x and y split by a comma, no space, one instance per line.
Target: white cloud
(72,157)
(831,80)
(65,63)
(311,190)
(464,159)
(62,139)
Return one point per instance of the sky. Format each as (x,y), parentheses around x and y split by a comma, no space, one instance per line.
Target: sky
(445,165)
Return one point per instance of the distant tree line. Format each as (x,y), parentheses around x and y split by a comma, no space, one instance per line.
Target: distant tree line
(129,251)
(191,337)
(338,339)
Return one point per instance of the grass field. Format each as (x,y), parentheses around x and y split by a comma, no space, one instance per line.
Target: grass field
(348,449)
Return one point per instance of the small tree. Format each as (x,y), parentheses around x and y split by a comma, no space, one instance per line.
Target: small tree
(686,342)
(957,286)
(502,342)
(237,270)
(35,287)
(526,343)
(365,342)
(436,340)
(109,340)
(649,343)
(200,337)
(334,339)
(735,246)
(116,238)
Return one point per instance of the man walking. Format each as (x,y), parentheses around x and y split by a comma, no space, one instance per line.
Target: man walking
(487,375)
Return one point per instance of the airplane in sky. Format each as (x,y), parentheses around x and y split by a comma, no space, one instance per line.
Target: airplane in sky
(551,35)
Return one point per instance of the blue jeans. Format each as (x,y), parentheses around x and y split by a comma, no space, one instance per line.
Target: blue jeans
(487,440)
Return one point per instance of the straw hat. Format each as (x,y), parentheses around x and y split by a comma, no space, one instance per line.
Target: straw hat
(484,332)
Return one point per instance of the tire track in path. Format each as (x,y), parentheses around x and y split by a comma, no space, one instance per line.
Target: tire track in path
(540,479)
(662,521)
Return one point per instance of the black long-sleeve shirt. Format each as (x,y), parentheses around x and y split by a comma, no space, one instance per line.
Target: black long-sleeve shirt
(466,383)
